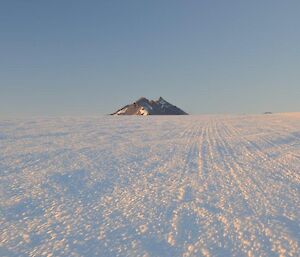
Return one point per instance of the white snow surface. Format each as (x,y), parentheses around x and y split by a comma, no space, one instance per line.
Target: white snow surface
(143,111)
(151,186)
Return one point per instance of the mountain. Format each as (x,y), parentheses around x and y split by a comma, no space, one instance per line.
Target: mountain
(145,107)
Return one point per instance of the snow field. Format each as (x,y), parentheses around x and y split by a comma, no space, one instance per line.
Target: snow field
(151,186)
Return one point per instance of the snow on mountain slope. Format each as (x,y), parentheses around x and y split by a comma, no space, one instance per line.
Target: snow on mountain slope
(164,186)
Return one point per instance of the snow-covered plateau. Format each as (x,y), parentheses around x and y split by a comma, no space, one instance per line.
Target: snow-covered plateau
(225,185)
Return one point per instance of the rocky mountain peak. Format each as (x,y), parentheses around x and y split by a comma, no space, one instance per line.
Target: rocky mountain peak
(145,107)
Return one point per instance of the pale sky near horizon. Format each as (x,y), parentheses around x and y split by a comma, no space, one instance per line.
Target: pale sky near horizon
(92,57)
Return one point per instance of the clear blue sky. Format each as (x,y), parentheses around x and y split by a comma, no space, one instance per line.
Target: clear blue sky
(91,57)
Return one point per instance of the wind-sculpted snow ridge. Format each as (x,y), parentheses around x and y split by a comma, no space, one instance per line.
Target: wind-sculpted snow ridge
(163,186)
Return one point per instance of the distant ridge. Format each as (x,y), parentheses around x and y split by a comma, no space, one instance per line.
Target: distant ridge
(145,107)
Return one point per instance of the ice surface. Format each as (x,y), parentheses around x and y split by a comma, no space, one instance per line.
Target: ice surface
(151,186)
